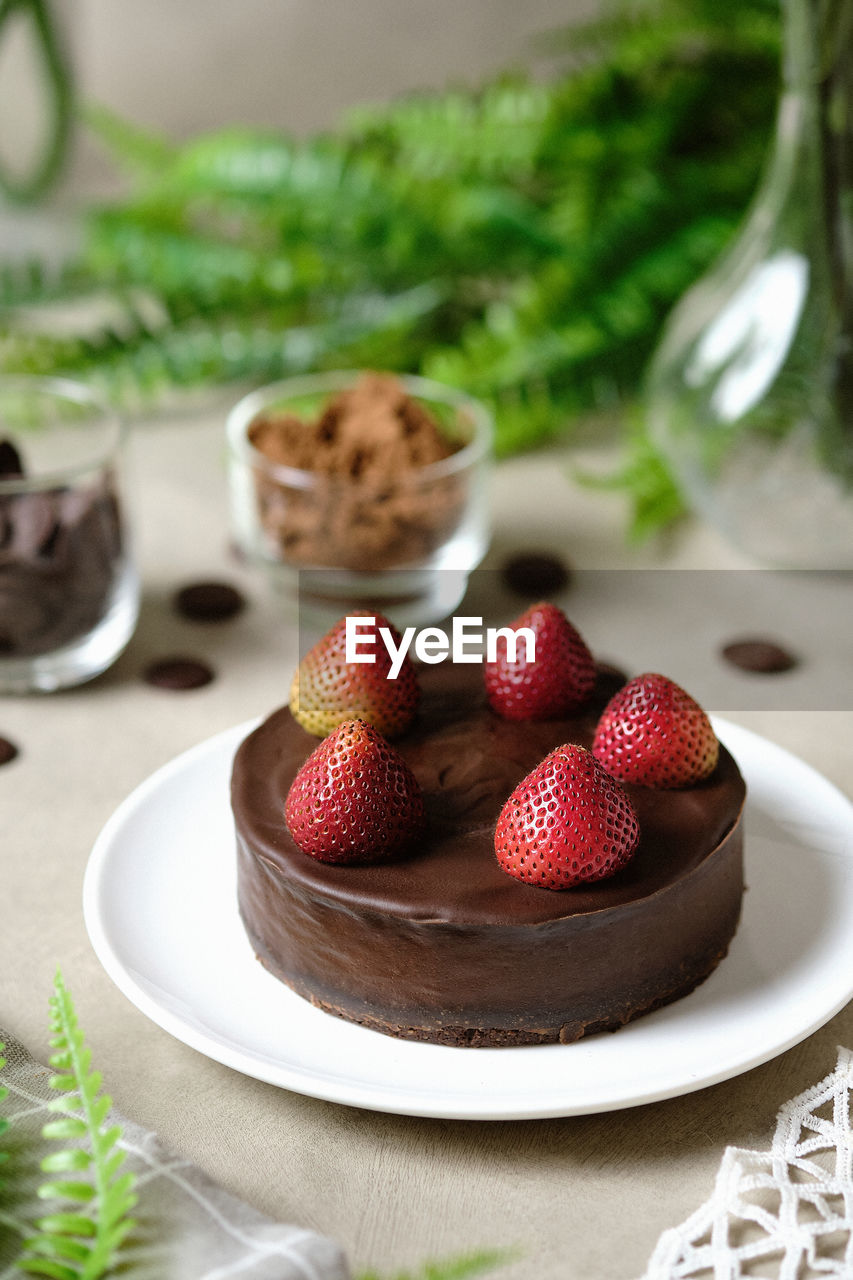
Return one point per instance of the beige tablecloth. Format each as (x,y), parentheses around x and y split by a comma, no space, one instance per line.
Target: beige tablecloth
(583,1197)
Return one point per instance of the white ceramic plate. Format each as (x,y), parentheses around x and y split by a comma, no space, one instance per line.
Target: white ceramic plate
(160,907)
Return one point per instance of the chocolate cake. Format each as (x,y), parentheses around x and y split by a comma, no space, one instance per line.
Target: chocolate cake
(440,944)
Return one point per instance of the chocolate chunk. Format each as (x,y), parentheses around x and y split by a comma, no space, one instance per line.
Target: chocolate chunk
(535,574)
(11,465)
(608,681)
(8,751)
(209,601)
(30,607)
(60,555)
(763,656)
(34,524)
(178,673)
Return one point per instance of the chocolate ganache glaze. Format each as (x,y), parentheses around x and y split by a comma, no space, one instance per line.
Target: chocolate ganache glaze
(441,944)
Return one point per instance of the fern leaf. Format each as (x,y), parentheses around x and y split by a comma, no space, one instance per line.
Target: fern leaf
(68,1189)
(4,1092)
(68,1127)
(47,1267)
(28,280)
(69,1224)
(139,151)
(51,1245)
(655,500)
(474,1264)
(87,1239)
(100,1110)
(63,1084)
(458,1268)
(74,1159)
(4,1123)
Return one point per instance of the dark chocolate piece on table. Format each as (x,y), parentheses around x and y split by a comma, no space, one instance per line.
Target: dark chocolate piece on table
(178,673)
(209,601)
(760,655)
(535,574)
(609,679)
(11,466)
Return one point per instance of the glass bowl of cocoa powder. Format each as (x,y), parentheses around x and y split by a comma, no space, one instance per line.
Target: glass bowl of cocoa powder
(362,489)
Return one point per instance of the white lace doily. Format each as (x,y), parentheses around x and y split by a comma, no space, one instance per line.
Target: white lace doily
(786,1212)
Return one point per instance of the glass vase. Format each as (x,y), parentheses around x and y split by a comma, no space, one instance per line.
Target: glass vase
(750,394)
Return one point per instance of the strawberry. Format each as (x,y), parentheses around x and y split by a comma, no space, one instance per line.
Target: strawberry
(326,689)
(567,822)
(557,682)
(354,799)
(654,734)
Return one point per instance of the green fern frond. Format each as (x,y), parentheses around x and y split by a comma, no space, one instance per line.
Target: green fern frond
(655,500)
(10,1222)
(139,151)
(4,1093)
(459,1268)
(140,366)
(495,132)
(28,280)
(80,1244)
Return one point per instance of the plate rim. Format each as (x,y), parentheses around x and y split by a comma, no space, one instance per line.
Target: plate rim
(391,1099)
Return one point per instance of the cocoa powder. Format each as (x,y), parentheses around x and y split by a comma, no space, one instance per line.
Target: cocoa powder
(368,504)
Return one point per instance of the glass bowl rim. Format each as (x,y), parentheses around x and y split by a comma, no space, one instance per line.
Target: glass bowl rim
(67,389)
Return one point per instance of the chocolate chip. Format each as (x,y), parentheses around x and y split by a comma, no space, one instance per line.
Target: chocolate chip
(608,681)
(535,574)
(209,601)
(8,751)
(10,460)
(764,656)
(34,527)
(178,673)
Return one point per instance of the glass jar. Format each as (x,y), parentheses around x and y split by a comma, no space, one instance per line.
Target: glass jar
(750,394)
(69,588)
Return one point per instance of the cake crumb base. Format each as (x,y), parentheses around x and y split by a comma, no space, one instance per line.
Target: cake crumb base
(462,1037)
